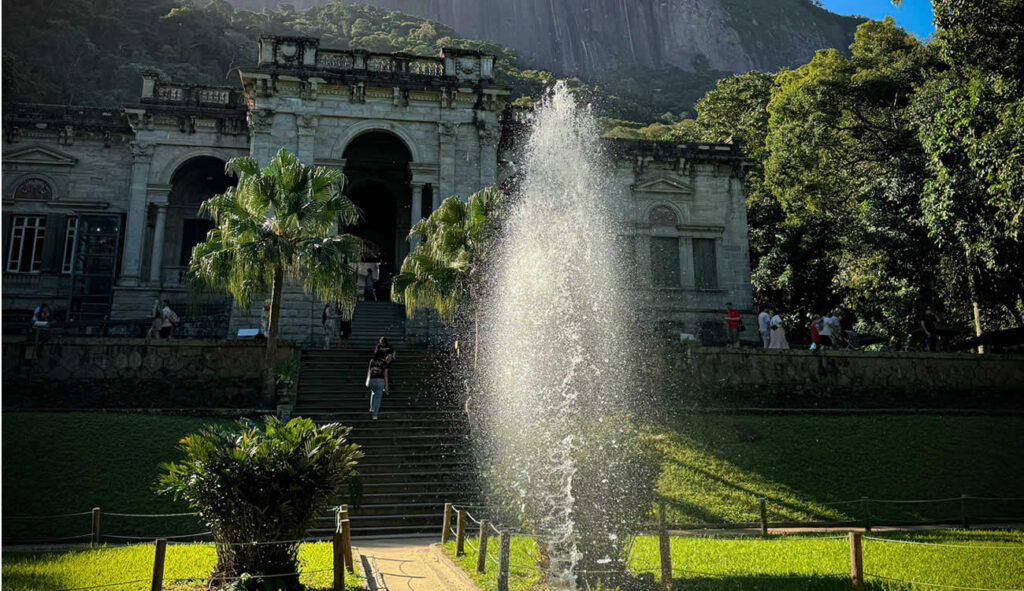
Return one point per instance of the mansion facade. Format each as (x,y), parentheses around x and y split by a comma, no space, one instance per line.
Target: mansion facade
(101,206)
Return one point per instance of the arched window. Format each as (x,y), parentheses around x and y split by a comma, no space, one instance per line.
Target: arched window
(34,189)
(662,216)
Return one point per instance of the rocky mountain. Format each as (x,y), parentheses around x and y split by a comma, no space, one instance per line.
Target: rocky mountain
(580,36)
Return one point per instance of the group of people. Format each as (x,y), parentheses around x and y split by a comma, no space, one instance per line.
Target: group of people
(377,374)
(826,331)
(164,320)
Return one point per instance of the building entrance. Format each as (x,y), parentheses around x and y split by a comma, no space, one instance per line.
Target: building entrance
(377,182)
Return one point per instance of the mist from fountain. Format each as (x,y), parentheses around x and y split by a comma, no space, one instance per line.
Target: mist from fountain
(559,352)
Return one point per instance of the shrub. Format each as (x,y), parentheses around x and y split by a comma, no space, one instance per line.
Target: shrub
(252,483)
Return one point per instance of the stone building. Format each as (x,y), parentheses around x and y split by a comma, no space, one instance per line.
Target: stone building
(101,206)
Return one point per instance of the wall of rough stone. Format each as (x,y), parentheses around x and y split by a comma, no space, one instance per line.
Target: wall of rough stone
(725,377)
(135,373)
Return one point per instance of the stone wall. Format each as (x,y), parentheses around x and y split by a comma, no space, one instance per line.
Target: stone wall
(135,373)
(718,377)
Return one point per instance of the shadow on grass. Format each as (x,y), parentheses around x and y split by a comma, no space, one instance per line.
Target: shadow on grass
(32,581)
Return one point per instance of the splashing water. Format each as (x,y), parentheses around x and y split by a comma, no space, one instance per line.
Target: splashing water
(556,363)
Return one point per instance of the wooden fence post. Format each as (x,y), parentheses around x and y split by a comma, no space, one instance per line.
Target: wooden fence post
(158,565)
(665,552)
(339,560)
(446,526)
(481,554)
(460,532)
(346,544)
(764,516)
(504,540)
(95,540)
(866,508)
(856,562)
(963,512)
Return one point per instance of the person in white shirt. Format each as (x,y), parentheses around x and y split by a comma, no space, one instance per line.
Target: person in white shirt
(825,333)
(763,320)
(778,336)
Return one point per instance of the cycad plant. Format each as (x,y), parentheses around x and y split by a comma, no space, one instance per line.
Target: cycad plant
(254,485)
(279,221)
(444,271)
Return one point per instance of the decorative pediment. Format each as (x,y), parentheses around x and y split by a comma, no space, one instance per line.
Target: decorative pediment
(39,155)
(664,187)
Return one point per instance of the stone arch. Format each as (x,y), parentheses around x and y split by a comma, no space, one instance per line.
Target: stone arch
(375,125)
(40,181)
(663,214)
(167,172)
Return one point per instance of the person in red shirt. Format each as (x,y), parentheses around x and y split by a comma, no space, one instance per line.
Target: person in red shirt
(732,322)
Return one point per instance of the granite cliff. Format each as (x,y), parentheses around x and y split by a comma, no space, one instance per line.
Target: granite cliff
(579,36)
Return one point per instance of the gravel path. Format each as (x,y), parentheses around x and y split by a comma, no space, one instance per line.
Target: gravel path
(409,564)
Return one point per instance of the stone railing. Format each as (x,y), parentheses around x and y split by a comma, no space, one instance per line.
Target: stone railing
(153,90)
(305,52)
(380,63)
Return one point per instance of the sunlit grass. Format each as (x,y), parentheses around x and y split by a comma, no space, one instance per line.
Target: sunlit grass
(186,567)
(523,571)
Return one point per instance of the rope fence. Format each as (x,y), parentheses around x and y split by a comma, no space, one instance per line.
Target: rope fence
(341,541)
(668,571)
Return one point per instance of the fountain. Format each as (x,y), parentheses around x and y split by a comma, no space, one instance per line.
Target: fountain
(560,356)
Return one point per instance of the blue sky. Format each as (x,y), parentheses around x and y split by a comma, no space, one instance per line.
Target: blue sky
(913,15)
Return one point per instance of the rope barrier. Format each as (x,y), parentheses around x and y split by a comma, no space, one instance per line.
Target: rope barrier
(935,584)
(61,539)
(471,545)
(494,528)
(48,516)
(915,501)
(471,518)
(106,585)
(1018,548)
(994,498)
(148,515)
(141,537)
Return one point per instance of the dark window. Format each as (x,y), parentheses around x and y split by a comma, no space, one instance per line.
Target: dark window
(665,261)
(192,233)
(28,233)
(70,240)
(705,267)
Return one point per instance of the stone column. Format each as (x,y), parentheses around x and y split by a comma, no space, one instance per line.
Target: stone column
(447,132)
(488,156)
(417,211)
(306,127)
(156,265)
(686,276)
(131,258)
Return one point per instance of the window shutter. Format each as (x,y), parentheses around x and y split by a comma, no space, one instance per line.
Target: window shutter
(53,243)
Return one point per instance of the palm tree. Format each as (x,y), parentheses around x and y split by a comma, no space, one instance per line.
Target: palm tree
(279,221)
(444,271)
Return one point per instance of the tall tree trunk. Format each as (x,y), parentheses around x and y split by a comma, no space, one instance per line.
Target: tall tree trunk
(270,368)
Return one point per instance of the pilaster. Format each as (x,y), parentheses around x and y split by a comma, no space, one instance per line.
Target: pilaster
(131,258)
(447,131)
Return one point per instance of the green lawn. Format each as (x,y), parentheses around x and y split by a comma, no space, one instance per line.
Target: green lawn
(717,467)
(186,567)
(523,572)
(966,559)
(60,463)
(715,470)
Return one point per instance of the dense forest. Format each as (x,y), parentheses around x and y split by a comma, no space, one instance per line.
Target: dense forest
(889,182)
(92,52)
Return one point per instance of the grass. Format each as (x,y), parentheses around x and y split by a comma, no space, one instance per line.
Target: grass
(186,567)
(971,559)
(715,470)
(716,467)
(523,572)
(58,463)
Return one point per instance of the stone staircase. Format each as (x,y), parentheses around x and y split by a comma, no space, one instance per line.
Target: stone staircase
(417,455)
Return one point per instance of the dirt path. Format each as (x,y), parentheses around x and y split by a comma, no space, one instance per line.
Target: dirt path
(409,564)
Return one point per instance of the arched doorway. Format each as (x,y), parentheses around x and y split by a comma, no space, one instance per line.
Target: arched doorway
(377,182)
(193,182)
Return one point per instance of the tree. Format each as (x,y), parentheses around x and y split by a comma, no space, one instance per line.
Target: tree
(444,271)
(972,128)
(279,222)
(252,483)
